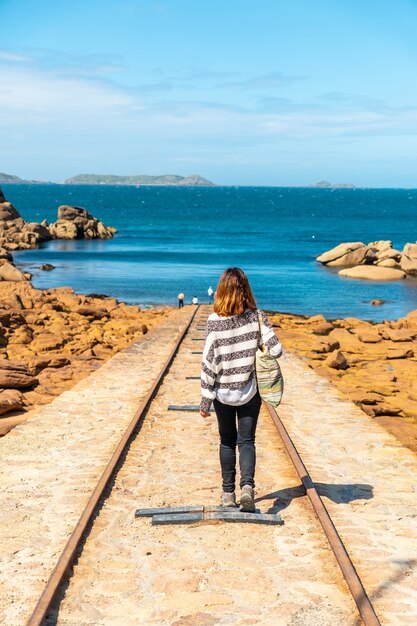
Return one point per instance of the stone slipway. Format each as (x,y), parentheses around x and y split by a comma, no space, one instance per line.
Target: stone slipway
(49,465)
(133,573)
(368,481)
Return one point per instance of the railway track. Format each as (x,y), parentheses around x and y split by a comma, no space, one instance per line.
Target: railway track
(192,335)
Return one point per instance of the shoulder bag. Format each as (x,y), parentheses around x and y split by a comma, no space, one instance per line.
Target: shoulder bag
(268,373)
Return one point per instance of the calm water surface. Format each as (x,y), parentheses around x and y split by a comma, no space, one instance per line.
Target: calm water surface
(175,239)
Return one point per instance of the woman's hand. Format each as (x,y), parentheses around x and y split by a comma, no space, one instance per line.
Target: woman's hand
(204,413)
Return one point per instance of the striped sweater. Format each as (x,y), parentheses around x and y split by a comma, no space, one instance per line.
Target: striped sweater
(229,354)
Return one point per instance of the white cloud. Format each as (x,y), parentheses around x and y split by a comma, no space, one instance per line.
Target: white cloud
(11,57)
(46,103)
(44,96)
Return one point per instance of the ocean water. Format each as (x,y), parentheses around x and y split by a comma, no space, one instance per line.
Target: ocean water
(175,239)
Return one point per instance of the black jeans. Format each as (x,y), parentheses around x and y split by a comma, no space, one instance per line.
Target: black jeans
(243,436)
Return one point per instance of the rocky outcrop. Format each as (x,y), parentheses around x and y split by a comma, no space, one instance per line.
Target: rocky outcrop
(11,400)
(9,272)
(72,223)
(373,272)
(409,259)
(15,375)
(344,255)
(77,223)
(374,365)
(365,260)
(15,233)
(50,339)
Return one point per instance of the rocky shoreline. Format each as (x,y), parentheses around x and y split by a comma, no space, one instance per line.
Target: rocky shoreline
(52,338)
(373,365)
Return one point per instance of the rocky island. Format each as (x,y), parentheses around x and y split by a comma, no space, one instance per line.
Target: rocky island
(11,179)
(72,223)
(110,179)
(324,184)
(377,260)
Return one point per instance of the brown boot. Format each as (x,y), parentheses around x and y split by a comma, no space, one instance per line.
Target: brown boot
(247,502)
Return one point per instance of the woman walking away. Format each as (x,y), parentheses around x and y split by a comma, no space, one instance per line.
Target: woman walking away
(228,379)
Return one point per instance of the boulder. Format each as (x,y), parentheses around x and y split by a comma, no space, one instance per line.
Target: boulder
(8,212)
(344,255)
(68,212)
(103,231)
(380,246)
(22,335)
(47,341)
(362,396)
(9,272)
(409,259)
(348,341)
(325,345)
(369,336)
(91,312)
(316,319)
(388,253)
(11,400)
(47,267)
(5,254)
(387,263)
(337,360)
(41,232)
(15,375)
(386,409)
(63,230)
(372,272)
(323,328)
(399,334)
(400,353)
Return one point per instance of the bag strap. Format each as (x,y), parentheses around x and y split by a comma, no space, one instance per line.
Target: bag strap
(261,343)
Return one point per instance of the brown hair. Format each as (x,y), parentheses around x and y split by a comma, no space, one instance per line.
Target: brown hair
(233,295)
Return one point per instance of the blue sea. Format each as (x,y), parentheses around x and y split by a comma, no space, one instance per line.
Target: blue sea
(174,239)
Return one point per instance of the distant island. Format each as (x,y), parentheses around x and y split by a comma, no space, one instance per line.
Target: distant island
(109,179)
(324,184)
(9,178)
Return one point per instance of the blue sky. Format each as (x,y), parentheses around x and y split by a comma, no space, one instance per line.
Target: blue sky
(266,92)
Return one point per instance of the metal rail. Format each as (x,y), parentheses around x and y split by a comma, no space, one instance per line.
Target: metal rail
(353,581)
(67,555)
